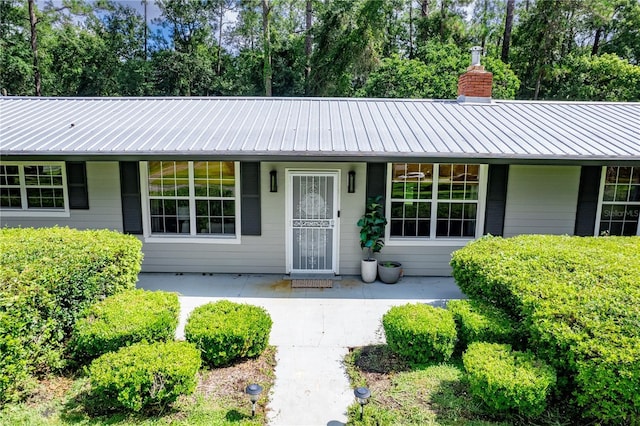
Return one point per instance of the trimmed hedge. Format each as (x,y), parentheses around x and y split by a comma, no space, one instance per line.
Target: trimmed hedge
(47,278)
(123,319)
(579,301)
(420,333)
(144,376)
(225,331)
(480,322)
(508,380)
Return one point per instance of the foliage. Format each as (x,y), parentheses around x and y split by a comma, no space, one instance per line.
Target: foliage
(372,225)
(144,376)
(508,380)
(595,78)
(480,322)
(225,331)
(48,277)
(420,333)
(579,302)
(63,401)
(122,319)
(219,47)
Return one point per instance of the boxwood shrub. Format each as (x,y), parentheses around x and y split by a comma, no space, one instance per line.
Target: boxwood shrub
(225,331)
(143,376)
(420,333)
(123,319)
(508,380)
(579,301)
(47,278)
(477,321)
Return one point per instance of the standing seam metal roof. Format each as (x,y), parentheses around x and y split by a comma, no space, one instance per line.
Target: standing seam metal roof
(319,127)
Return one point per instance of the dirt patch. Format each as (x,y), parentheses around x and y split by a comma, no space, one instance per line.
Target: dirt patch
(229,383)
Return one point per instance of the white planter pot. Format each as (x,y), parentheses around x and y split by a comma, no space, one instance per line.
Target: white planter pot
(368,270)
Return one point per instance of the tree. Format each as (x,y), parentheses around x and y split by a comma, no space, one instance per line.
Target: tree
(508,27)
(266,47)
(348,44)
(595,78)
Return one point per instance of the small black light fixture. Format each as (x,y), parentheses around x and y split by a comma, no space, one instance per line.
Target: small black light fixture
(362,396)
(351,182)
(273,181)
(253,390)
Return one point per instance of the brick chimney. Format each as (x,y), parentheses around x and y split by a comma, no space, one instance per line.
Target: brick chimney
(475,84)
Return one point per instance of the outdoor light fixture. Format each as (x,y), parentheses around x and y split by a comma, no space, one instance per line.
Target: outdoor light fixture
(362,396)
(351,182)
(273,181)
(253,390)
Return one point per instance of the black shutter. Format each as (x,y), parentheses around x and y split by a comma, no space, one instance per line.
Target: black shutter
(131,198)
(588,194)
(251,219)
(77,185)
(377,180)
(496,199)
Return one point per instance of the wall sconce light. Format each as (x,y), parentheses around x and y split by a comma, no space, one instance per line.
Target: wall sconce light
(351,182)
(273,181)
(253,390)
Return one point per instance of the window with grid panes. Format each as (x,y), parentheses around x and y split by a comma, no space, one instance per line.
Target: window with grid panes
(192,197)
(434,200)
(32,186)
(620,197)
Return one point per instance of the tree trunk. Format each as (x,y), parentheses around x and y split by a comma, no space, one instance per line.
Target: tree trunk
(424,8)
(266,43)
(596,42)
(219,58)
(508,26)
(33,20)
(410,29)
(308,42)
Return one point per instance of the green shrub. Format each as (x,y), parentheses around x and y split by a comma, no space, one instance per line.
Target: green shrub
(579,301)
(144,376)
(480,322)
(47,278)
(508,380)
(225,331)
(123,319)
(420,333)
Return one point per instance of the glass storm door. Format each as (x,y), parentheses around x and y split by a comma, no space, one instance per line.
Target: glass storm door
(312,213)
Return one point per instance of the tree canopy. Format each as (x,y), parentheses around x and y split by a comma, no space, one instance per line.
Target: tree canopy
(536,49)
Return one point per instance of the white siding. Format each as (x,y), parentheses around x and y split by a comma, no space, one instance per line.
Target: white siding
(105,208)
(541,200)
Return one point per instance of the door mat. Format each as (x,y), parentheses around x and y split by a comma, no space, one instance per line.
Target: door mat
(311,283)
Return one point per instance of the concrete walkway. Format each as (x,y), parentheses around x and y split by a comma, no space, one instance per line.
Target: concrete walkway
(312,330)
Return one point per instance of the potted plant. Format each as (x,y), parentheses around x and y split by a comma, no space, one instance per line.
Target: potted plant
(371,225)
(389,271)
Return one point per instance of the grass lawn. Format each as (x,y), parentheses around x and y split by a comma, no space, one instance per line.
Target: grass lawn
(218,400)
(435,394)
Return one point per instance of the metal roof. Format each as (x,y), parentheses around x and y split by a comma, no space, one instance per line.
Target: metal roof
(338,129)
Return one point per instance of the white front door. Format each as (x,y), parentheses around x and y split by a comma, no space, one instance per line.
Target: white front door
(312,211)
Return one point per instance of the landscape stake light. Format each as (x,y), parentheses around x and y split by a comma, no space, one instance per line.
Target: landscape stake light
(253,390)
(362,396)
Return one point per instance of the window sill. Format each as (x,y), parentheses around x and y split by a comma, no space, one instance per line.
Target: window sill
(419,242)
(180,239)
(34,213)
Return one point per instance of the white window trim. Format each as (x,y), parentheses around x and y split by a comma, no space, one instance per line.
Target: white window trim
(603,177)
(25,211)
(181,238)
(433,240)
